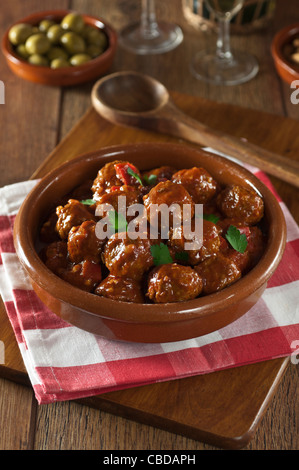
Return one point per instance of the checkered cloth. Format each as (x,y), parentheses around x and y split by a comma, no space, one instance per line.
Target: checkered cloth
(64,362)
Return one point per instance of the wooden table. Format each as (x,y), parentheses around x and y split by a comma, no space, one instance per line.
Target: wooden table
(33,121)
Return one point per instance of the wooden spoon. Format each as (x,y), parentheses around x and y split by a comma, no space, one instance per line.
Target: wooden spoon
(134,99)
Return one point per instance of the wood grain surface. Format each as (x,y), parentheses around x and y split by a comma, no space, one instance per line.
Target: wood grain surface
(34,120)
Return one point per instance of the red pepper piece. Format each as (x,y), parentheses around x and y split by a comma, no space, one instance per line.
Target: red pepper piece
(122,173)
(91,271)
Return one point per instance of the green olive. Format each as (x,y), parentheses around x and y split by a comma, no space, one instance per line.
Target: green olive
(85,31)
(45,25)
(73,22)
(57,53)
(22,52)
(96,37)
(94,51)
(19,33)
(38,59)
(79,59)
(73,43)
(37,44)
(54,33)
(59,63)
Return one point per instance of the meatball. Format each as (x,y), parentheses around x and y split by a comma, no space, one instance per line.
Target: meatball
(83,191)
(56,256)
(198,182)
(254,250)
(121,289)
(209,243)
(70,215)
(85,275)
(241,203)
(168,194)
(255,245)
(83,244)
(156,175)
(173,283)
(128,257)
(131,193)
(224,224)
(48,233)
(106,178)
(217,273)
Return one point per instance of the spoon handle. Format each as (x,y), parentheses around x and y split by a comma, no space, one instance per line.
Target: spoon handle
(194,131)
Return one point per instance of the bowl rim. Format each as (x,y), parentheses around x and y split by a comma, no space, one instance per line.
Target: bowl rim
(179,311)
(278,41)
(10,55)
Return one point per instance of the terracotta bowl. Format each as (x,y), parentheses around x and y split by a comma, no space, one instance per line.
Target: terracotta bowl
(145,322)
(65,76)
(286,69)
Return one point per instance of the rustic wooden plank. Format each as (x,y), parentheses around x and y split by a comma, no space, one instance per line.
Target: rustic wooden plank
(79,427)
(281,417)
(16,416)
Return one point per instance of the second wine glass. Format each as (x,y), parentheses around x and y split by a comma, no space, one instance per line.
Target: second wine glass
(224,67)
(150,36)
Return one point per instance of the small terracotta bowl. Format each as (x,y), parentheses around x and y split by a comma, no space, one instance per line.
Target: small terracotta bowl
(66,76)
(145,322)
(285,68)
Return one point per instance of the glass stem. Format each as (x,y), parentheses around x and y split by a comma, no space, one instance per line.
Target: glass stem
(149,26)
(223,51)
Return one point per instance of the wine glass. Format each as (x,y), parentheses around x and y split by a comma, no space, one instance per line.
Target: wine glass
(224,67)
(150,36)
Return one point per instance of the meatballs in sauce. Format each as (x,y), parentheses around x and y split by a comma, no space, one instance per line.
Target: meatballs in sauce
(92,244)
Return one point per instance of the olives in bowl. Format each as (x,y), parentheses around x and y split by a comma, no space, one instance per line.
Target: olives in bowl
(59,47)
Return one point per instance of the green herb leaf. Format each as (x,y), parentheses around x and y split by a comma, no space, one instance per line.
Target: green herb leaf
(161,254)
(151,179)
(118,222)
(211,217)
(237,239)
(88,202)
(182,256)
(132,173)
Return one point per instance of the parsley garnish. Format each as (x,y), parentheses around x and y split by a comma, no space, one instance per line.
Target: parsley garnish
(132,173)
(88,202)
(161,254)
(117,221)
(237,239)
(151,179)
(211,217)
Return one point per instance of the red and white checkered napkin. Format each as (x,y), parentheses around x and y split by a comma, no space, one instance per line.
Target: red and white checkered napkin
(64,362)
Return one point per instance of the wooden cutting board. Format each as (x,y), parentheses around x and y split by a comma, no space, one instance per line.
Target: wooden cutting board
(222,408)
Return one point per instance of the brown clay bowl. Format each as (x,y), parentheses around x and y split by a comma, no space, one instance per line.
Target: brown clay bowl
(285,68)
(66,76)
(145,322)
